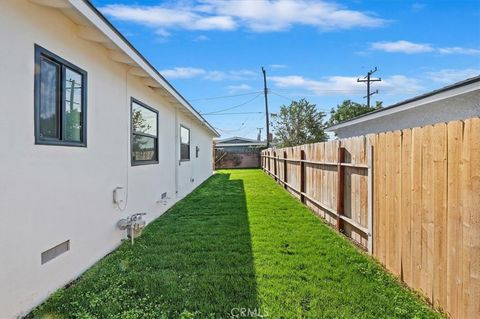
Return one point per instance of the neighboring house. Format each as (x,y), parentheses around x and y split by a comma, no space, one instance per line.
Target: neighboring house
(454,102)
(238,152)
(83,114)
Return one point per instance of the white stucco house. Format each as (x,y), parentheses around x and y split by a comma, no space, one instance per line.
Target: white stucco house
(84,116)
(458,101)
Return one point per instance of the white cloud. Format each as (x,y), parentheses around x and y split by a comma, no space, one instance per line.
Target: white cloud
(201,38)
(278,66)
(411,47)
(212,75)
(162,33)
(344,85)
(459,50)
(164,17)
(402,46)
(243,74)
(417,7)
(277,15)
(254,15)
(182,73)
(215,75)
(239,88)
(448,76)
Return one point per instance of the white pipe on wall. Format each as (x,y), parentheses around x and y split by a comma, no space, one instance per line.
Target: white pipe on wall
(177,157)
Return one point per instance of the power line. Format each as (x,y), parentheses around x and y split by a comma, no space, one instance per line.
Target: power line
(292,100)
(282,96)
(367,79)
(224,96)
(235,113)
(233,107)
(234,130)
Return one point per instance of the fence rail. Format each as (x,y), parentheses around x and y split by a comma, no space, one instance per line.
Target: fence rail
(410,197)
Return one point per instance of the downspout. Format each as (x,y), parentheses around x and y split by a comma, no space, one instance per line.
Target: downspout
(192,154)
(128,140)
(177,159)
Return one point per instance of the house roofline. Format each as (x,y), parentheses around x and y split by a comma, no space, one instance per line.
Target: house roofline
(83,6)
(397,106)
(239,144)
(181,99)
(239,138)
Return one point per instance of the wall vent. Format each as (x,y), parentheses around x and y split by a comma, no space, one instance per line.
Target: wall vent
(56,251)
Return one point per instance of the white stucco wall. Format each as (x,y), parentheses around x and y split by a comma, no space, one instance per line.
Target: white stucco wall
(50,194)
(459,107)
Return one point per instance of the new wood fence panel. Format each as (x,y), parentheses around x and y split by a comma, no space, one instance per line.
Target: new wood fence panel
(406,263)
(475,217)
(380,209)
(331,156)
(426,277)
(470,167)
(417,154)
(389,205)
(355,201)
(466,212)
(439,142)
(454,221)
(426,199)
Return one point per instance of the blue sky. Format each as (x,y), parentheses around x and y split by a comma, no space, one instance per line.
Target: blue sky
(311,49)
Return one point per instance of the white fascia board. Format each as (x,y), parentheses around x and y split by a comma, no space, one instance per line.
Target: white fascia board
(83,8)
(409,105)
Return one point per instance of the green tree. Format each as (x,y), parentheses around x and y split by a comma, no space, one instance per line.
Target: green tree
(348,110)
(299,123)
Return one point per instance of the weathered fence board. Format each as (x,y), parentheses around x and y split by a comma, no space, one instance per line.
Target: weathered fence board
(425,219)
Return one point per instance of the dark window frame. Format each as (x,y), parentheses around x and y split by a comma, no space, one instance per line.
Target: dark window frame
(189,143)
(132,133)
(42,53)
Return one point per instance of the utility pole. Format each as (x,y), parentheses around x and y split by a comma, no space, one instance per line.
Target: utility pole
(259,136)
(265,91)
(368,79)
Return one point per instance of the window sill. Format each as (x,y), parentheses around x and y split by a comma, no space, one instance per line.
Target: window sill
(141,163)
(60,143)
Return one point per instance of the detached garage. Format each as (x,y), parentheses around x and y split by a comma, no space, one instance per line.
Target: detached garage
(238,152)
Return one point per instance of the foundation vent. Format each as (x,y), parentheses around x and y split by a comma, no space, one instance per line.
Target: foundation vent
(56,251)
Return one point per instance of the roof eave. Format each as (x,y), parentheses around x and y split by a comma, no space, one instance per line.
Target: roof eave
(101,23)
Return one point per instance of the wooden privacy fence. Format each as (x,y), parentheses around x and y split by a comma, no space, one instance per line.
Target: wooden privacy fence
(331,178)
(411,197)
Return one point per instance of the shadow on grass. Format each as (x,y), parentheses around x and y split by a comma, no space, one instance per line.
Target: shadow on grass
(193,262)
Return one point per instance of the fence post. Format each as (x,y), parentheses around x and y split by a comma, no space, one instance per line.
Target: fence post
(340,185)
(268,159)
(285,178)
(275,165)
(370,199)
(302,175)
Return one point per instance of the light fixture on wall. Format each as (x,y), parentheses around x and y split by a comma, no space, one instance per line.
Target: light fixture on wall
(197,150)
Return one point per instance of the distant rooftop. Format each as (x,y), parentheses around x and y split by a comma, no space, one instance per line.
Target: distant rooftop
(418,99)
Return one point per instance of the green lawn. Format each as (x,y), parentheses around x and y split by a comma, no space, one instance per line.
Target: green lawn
(238,241)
